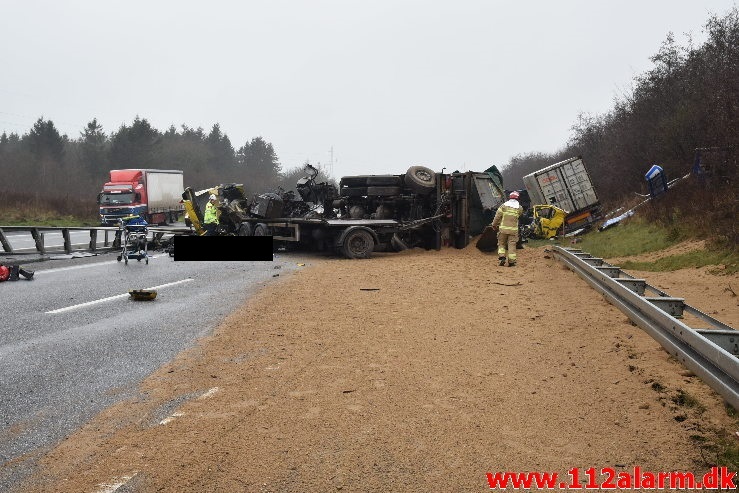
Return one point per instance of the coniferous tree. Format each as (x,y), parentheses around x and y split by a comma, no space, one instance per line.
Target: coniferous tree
(260,163)
(93,150)
(135,146)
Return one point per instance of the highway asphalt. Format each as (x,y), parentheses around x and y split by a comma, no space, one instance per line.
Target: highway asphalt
(72,342)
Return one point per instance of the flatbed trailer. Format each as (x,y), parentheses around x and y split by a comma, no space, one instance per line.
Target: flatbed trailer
(354,238)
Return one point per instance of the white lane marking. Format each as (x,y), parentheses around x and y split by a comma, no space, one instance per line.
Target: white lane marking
(115,483)
(63,269)
(171,418)
(85,266)
(210,393)
(116,297)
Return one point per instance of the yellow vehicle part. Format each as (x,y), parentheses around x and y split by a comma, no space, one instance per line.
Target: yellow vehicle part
(194,203)
(193,217)
(548,219)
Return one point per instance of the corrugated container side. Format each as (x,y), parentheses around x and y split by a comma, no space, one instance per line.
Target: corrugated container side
(554,188)
(579,184)
(566,185)
(532,186)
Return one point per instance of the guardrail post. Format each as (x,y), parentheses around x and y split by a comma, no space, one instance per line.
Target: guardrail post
(594,261)
(668,304)
(94,239)
(5,242)
(67,242)
(106,242)
(38,238)
(636,285)
(610,271)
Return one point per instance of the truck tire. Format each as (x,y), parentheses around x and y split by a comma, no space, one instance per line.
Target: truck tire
(245,229)
(261,229)
(420,179)
(383,191)
(354,191)
(358,244)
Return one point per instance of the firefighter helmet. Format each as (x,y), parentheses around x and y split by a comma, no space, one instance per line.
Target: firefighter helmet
(513,195)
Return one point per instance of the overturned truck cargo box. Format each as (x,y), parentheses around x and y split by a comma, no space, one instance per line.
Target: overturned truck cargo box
(567,185)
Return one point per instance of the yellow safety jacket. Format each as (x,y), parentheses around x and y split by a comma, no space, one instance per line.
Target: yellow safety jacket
(507,217)
(211,214)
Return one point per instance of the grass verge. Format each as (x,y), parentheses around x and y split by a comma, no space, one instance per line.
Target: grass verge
(44,218)
(638,236)
(632,238)
(726,262)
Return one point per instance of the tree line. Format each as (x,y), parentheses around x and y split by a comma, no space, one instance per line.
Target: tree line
(689,99)
(50,167)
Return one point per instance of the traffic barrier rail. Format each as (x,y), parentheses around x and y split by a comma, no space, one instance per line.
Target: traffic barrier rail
(93,245)
(711,352)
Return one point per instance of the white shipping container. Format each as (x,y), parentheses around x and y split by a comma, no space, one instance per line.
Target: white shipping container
(164,189)
(565,184)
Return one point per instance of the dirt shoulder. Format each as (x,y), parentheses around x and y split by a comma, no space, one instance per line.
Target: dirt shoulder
(418,371)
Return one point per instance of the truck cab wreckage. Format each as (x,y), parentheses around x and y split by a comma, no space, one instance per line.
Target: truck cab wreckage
(365,214)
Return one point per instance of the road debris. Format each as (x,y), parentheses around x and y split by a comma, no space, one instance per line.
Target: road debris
(142,294)
(14,272)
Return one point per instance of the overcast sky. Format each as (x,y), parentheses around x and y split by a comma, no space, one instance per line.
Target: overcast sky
(386,84)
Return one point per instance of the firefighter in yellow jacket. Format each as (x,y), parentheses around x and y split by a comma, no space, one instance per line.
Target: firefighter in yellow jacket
(506,222)
(210,218)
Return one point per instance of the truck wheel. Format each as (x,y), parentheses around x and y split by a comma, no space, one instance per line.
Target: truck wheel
(420,179)
(383,191)
(245,229)
(261,229)
(358,244)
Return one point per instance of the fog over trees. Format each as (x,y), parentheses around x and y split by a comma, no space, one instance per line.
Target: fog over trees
(688,99)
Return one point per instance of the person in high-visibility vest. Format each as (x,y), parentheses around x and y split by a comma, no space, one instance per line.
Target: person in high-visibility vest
(506,222)
(210,218)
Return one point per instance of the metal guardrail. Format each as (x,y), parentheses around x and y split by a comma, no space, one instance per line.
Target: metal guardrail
(712,352)
(108,241)
(37,233)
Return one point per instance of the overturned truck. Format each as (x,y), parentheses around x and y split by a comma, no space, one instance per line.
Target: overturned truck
(364,214)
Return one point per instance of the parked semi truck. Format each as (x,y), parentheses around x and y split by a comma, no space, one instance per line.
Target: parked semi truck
(154,194)
(363,214)
(566,185)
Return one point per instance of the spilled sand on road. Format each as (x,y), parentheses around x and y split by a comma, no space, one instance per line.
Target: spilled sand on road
(418,371)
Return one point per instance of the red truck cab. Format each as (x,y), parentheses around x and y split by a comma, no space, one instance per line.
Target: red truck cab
(152,194)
